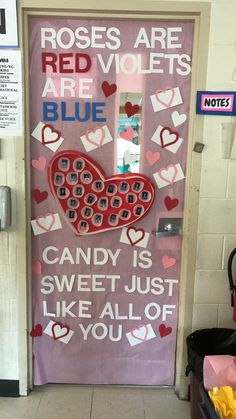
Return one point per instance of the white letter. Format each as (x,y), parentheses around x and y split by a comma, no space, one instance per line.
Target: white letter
(113,257)
(71,40)
(85,38)
(45,284)
(116,44)
(184,65)
(45,310)
(85,331)
(142,38)
(171,39)
(107,311)
(67,84)
(166,310)
(45,255)
(147,309)
(105,68)
(160,38)
(170,288)
(48,34)
(49,88)
(84,85)
(83,308)
(104,331)
(66,255)
(95,256)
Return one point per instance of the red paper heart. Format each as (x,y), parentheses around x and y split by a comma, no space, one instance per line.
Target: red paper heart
(50,135)
(92,203)
(164,331)
(36,331)
(170,203)
(39,196)
(128,134)
(108,89)
(57,330)
(165,135)
(131,109)
(135,332)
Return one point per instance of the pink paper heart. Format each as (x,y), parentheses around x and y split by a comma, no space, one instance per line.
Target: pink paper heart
(152,157)
(168,174)
(37,267)
(39,164)
(167,262)
(128,134)
(140,332)
(167,103)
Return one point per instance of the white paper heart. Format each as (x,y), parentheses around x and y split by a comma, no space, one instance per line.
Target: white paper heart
(178,119)
(129,157)
(49,135)
(60,331)
(168,137)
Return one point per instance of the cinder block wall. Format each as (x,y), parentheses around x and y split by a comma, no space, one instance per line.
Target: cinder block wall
(217,211)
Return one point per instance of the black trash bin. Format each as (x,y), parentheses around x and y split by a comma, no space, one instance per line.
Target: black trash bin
(216,341)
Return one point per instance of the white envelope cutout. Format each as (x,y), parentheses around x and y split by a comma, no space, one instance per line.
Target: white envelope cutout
(134,237)
(157,139)
(140,334)
(58,330)
(96,137)
(166,98)
(49,135)
(46,223)
(166,176)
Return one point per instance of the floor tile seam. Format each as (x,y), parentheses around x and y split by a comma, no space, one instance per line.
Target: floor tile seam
(91,409)
(37,409)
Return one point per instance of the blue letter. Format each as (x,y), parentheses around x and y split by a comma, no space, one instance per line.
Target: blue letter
(50,108)
(96,111)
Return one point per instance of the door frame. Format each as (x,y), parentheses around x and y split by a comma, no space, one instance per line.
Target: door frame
(199,12)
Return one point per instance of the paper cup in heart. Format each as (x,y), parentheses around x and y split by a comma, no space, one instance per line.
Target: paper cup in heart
(91,202)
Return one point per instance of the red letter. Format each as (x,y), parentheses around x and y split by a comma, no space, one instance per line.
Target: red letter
(88,63)
(63,61)
(49,58)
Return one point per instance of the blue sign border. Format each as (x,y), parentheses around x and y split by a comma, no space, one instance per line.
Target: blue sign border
(200,93)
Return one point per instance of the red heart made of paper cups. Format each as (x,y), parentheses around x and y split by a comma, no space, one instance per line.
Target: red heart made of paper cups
(93,203)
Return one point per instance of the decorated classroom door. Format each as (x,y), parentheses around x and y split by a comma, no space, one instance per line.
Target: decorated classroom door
(109,109)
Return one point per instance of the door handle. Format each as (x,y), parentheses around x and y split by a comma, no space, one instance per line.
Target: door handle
(169,227)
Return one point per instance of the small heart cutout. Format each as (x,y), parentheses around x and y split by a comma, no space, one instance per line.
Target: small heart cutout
(168,137)
(50,135)
(140,332)
(168,262)
(171,203)
(130,109)
(39,164)
(108,89)
(36,331)
(135,235)
(59,330)
(37,267)
(166,96)
(39,196)
(152,157)
(164,330)
(128,134)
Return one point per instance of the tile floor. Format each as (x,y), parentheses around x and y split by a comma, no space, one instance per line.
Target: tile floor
(93,402)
